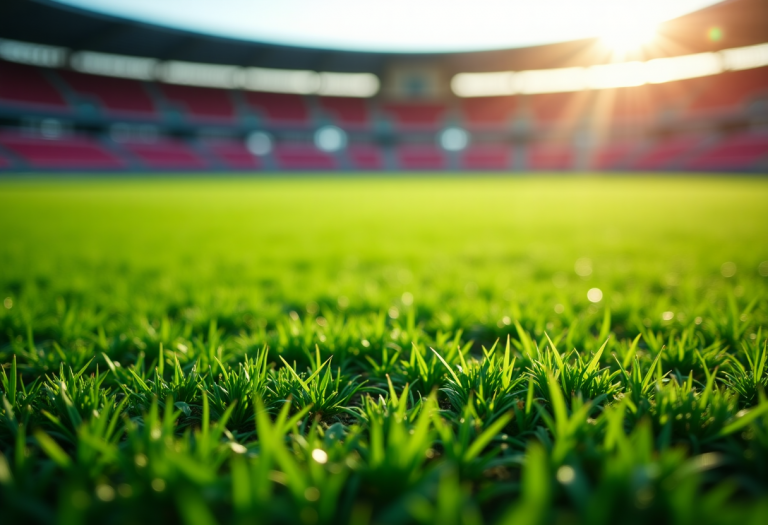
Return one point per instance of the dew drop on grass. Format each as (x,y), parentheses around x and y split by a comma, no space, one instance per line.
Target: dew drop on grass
(394,313)
(583,267)
(728,269)
(595,295)
(238,448)
(566,474)
(8,303)
(407,298)
(668,316)
(312,494)
(158,485)
(762,269)
(105,493)
(319,455)
(559,308)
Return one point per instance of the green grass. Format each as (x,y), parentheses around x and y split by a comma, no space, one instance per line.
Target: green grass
(408,350)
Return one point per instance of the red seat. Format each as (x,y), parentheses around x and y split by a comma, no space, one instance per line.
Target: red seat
(117,96)
(666,153)
(415,115)
(730,92)
(280,109)
(27,86)
(201,104)
(738,152)
(564,109)
(165,154)
(65,152)
(612,156)
(550,157)
(346,112)
(302,156)
(488,112)
(487,157)
(420,157)
(365,157)
(232,154)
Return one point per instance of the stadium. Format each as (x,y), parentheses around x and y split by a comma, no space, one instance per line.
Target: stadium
(79,92)
(384,262)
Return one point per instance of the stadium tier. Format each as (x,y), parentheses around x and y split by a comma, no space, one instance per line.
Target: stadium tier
(702,106)
(73,152)
(112,97)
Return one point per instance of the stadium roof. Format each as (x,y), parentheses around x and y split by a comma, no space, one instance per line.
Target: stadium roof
(739,23)
(402,26)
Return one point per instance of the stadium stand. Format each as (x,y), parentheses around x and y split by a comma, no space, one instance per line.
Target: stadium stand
(613,156)
(413,116)
(738,152)
(26,87)
(420,157)
(667,153)
(117,123)
(558,109)
(115,97)
(166,154)
(730,92)
(302,156)
(231,153)
(71,152)
(200,104)
(279,109)
(365,157)
(487,157)
(550,156)
(488,112)
(347,113)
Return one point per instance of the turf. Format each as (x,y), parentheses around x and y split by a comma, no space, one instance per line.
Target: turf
(407,350)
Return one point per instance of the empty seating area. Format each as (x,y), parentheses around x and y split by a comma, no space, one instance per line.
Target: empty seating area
(543,156)
(115,97)
(231,154)
(730,92)
(348,113)
(415,115)
(487,157)
(382,134)
(613,155)
(420,157)
(199,104)
(738,152)
(300,156)
(164,154)
(488,112)
(666,153)
(279,109)
(364,157)
(26,87)
(71,152)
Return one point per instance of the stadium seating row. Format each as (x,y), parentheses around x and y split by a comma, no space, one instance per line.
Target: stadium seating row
(68,92)
(741,151)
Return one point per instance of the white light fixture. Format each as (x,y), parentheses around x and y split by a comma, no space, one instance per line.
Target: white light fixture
(330,139)
(259,143)
(454,139)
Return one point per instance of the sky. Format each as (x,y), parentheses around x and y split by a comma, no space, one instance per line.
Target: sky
(401,26)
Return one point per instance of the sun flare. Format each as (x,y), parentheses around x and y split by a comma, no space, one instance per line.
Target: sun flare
(629,35)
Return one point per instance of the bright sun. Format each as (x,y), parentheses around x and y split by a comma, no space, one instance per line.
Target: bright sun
(628,36)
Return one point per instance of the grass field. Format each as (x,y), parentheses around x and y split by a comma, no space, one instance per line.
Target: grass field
(409,350)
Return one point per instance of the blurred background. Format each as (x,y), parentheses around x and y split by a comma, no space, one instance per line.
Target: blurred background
(374,86)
